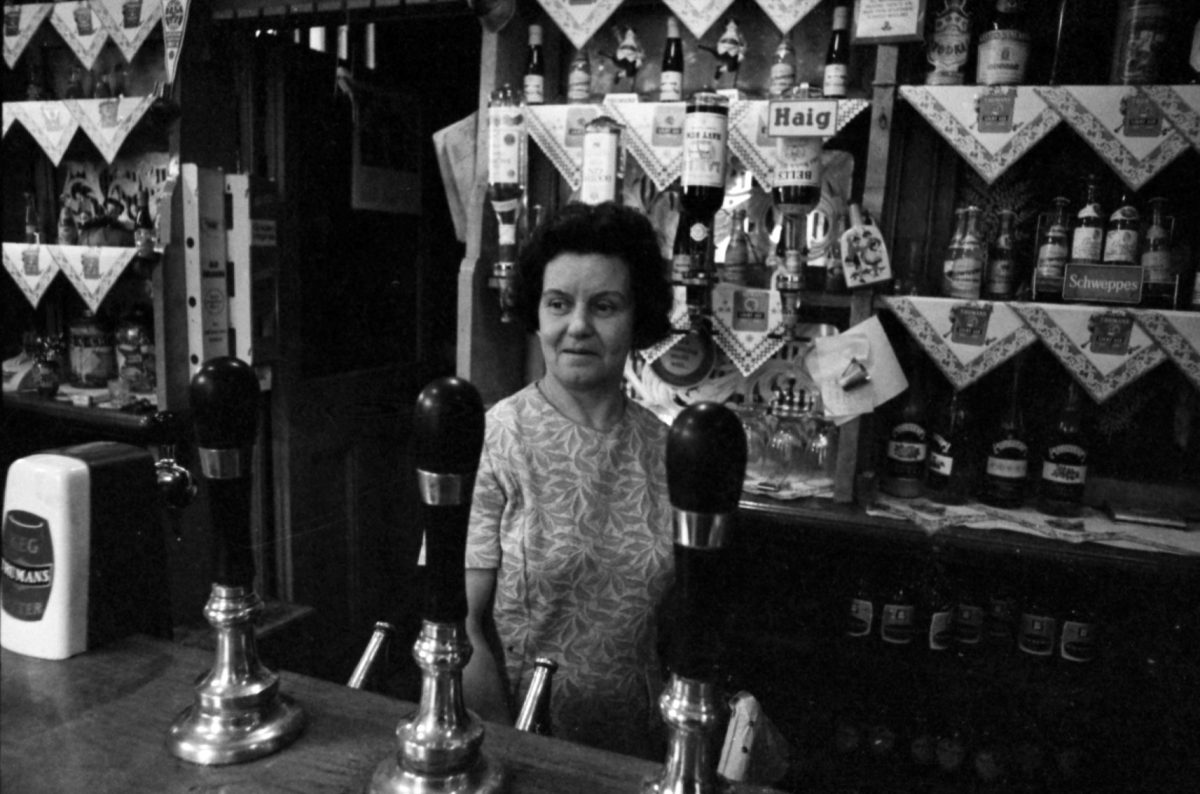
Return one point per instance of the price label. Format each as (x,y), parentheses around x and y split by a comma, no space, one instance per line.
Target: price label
(995,111)
(1110,333)
(1143,119)
(969,323)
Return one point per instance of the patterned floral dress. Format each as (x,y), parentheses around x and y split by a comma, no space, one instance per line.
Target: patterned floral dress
(577,524)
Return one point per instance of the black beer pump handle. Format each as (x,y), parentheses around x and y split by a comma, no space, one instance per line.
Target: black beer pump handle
(706,466)
(224,398)
(447,439)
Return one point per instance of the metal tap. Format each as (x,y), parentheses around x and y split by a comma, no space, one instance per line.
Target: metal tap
(239,713)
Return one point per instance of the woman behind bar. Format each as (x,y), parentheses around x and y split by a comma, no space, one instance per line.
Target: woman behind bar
(569,551)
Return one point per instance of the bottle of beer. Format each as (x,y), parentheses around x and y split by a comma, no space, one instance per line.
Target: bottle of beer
(1004,45)
(1054,247)
(783,69)
(670,86)
(1007,468)
(1087,241)
(1001,281)
(33,222)
(1160,282)
(68,229)
(951,466)
(965,278)
(579,78)
(534,716)
(535,69)
(143,226)
(835,274)
(737,251)
(837,56)
(1064,460)
(1121,241)
(907,445)
(954,248)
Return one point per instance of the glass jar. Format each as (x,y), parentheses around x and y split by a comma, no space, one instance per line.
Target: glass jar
(788,459)
(758,436)
(93,361)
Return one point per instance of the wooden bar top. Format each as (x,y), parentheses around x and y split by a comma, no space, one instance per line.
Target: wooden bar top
(97,722)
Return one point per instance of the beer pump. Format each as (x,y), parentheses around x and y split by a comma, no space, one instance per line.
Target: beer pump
(239,713)
(706,464)
(440,747)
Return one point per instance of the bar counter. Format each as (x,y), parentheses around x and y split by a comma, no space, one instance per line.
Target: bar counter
(97,722)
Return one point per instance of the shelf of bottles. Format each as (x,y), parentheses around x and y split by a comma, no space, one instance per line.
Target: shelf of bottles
(85,83)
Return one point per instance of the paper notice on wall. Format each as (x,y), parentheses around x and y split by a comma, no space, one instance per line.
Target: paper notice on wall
(834,359)
(174,21)
(455,147)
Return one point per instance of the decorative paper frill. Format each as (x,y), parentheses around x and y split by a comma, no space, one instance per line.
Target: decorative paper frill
(1181,105)
(91,270)
(580,21)
(952,111)
(32,268)
(558,132)
(748,137)
(965,339)
(699,15)
(1104,348)
(52,124)
(747,325)
(786,13)
(174,19)
(128,24)
(20,23)
(107,122)
(1178,334)
(1094,112)
(653,136)
(81,28)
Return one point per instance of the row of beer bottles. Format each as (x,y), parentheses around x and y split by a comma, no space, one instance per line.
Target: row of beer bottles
(922,607)
(950,455)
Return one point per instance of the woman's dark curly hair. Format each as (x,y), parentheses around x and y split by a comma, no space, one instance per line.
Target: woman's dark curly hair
(609,229)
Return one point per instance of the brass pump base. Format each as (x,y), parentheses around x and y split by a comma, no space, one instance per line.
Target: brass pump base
(484,777)
(239,713)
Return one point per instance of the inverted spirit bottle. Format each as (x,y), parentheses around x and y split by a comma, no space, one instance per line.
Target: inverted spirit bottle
(506,179)
(535,68)
(702,182)
(670,86)
(600,170)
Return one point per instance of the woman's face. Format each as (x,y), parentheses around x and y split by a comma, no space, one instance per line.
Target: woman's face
(585,320)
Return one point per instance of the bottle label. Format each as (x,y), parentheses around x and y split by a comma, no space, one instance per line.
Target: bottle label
(1002,57)
(1078,641)
(1036,636)
(1156,267)
(966,272)
(896,624)
(504,145)
(1121,245)
(941,629)
(862,616)
(968,623)
(1063,473)
(26,565)
(704,150)
(534,87)
(1007,468)
(598,172)
(670,87)
(836,77)
(907,451)
(579,86)
(1002,273)
(1086,243)
(941,464)
(783,77)
(799,162)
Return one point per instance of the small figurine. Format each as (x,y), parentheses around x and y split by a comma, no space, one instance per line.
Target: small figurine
(730,50)
(630,54)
